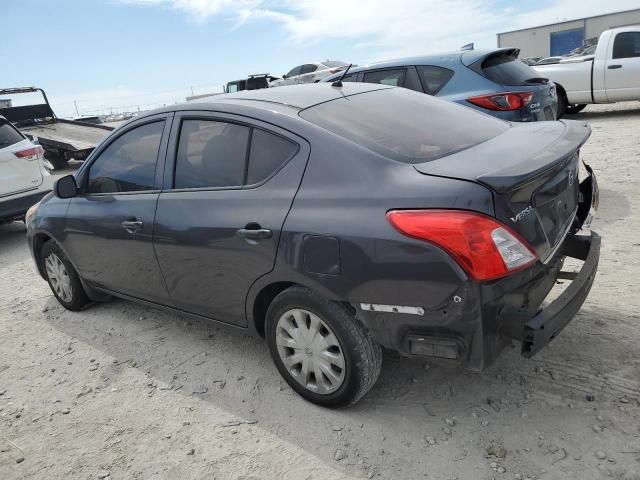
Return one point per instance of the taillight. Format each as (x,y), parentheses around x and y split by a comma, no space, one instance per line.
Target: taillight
(485,248)
(503,101)
(32,153)
(336,69)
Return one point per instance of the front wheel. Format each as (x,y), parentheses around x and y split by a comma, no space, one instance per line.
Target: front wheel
(321,350)
(63,278)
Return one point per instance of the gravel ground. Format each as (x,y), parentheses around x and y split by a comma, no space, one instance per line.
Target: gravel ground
(122,391)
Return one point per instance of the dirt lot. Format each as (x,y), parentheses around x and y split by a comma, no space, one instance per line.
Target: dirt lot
(128,392)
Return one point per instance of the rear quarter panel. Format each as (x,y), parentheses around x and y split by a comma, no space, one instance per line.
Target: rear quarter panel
(345,194)
(574,78)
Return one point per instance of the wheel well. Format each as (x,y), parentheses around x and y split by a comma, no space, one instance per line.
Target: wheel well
(561,91)
(263,300)
(38,242)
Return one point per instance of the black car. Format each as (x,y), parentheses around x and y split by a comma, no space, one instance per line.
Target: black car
(331,220)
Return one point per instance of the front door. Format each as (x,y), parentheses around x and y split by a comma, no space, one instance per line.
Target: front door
(219,218)
(622,74)
(110,224)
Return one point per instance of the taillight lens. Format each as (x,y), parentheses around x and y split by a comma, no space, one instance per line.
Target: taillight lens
(484,247)
(336,69)
(503,101)
(32,153)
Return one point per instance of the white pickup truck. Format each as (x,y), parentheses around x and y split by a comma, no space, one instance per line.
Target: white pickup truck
(611,74)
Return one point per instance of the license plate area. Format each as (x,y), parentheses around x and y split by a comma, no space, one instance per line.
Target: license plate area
(556,202)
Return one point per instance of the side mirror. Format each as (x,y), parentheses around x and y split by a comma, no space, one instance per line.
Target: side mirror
(284,77)
(65,187)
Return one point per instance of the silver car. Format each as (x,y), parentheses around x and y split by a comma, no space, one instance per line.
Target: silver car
(310,73)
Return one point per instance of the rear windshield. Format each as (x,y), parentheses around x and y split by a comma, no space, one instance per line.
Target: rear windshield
(8,134)
(333,64)
(404,125)
(507,70)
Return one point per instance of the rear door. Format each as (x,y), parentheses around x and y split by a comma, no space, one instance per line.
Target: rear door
(222,208)
(110,224)
(307,73)
(622,74)
(406,77)
(19,166)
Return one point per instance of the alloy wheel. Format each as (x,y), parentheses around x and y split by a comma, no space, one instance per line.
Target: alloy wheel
(310,351)
(59,277)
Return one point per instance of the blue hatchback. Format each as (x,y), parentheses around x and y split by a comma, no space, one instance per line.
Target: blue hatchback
(494,82)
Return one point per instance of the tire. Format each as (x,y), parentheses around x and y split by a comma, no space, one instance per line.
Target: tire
(338,335)
(63,278)
(574,108)
(562,104)
(58,163)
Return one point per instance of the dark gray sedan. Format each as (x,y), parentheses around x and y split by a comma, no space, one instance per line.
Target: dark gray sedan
(332,221)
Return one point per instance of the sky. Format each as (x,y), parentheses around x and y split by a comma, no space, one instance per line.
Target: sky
(117,55)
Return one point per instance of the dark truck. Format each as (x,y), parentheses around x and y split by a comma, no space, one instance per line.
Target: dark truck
(254,82)
(61,139)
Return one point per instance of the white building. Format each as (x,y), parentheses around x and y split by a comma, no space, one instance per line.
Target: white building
(560,38)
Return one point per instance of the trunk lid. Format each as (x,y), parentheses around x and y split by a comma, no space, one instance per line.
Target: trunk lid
(532,170)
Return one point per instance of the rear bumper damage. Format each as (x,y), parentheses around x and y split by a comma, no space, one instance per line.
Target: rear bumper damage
(481,319)
(535,328)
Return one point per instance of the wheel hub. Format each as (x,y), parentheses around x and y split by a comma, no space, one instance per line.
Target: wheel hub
(310,351)
(59,277)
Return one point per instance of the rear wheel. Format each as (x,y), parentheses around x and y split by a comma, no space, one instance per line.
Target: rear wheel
(56,159)
(320,348)
(562,103)
(574,108)
(63,278)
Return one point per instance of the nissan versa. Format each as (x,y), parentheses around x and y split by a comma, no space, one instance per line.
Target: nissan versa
(332,220)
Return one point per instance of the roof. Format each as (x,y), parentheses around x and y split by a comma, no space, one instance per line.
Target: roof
(569,21)
(293,96)
(467,57)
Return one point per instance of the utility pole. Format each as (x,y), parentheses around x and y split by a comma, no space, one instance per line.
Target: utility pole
(77,113)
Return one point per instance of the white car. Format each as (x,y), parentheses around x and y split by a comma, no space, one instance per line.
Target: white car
(310,73)
(24,180)
(611,74)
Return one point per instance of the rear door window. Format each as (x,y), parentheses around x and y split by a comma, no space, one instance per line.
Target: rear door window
(308,68)
(268,153)
(8,134)
(128,164)
(394,78)
(626,45)
(505,69)
(211,154)
(433,78)
(404,125)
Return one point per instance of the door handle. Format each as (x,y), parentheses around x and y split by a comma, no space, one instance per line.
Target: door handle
(132,226)
(255,233)
(611,67)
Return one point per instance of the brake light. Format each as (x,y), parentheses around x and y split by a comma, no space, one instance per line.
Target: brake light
(503,101)
(335,69)
(485,248)
(32,153)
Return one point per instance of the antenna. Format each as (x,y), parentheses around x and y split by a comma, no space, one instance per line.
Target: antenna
(338,83)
